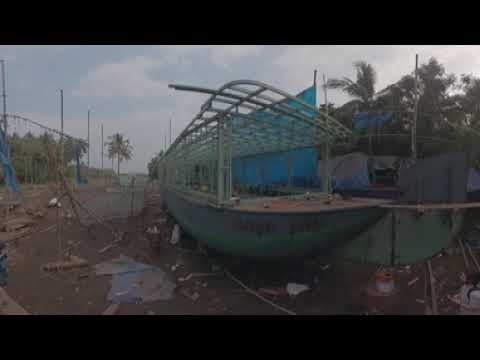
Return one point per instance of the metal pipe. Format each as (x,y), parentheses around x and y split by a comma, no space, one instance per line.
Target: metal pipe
(415,114)
(4,96)
(88,141)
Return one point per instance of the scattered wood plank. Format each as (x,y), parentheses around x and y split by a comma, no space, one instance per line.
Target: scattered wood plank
(8,306)
(74,262)
(8,237)
(18,223)
(112,310)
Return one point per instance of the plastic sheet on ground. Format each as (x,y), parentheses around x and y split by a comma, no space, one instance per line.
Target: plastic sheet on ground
(121,265)
(134,282)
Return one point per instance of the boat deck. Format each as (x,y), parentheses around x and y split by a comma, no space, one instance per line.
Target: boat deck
(304,205)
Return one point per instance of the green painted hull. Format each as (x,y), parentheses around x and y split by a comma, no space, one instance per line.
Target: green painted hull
(405,236)
(270,235)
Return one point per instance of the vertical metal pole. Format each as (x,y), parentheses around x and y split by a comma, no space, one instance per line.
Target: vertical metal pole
(102,147)
(221,165)
(170,131)
(61,125)
(88,141)
(4,96)
(326,153)
(415,114)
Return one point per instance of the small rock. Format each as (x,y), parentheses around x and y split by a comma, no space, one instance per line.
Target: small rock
(77,290)
(150,312)
(205,285)
(90,303)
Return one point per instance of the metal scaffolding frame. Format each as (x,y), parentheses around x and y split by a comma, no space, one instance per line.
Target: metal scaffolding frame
(241,118)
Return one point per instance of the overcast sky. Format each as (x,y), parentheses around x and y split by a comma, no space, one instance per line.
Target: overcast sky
(126,87)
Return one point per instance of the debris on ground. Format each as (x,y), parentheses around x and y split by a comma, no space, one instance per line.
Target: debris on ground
(272,291)
(8,237)
(8,306)
(150,312)
(294,289)
(72,263)
(17,224)
(175,239)
(413,281)
(153,230)
(191,295)
(194,275)
(325,267)
(54,202)
(112,310)
(135,282)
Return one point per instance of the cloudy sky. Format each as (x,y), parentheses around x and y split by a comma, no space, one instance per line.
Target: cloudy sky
(126,87)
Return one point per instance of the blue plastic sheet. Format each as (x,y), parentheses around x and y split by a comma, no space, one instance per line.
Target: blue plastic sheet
(8,169)
(272,169)
(364,120)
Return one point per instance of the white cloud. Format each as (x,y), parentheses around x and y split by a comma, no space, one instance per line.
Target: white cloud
(128,77)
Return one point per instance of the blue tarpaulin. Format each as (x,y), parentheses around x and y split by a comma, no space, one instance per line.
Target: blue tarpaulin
(80,179)
(272,169)
(473,180)
(363,120)
(8,169)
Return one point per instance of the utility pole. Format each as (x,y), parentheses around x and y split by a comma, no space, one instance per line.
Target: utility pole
(102,147)
(4,96)
(415,114)
(61,124)
(326,155)
(170,131)
(88,141)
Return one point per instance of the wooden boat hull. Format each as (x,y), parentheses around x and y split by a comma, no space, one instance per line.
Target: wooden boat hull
(270,235)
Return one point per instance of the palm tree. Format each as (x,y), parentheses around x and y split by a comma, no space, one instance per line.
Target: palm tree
(119,147)
(362,90)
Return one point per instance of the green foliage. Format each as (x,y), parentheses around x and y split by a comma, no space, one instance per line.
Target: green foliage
(448,110)
(153,166)
(118,146)
(35,157)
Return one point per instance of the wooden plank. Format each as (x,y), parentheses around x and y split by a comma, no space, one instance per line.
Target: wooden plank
(112,309)
(74,262)
(8,306)
(7,237)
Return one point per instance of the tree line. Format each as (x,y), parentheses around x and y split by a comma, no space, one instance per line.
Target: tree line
(35,157)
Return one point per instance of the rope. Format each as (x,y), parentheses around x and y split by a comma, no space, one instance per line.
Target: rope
(247,289)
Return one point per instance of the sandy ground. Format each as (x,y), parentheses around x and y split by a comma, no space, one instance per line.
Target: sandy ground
(336,287)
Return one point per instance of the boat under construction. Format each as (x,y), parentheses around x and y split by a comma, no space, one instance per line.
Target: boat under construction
(235,179)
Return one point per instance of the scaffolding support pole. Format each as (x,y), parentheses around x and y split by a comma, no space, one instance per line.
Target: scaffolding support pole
(221,164)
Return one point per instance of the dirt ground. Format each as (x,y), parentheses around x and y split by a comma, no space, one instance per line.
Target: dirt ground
(336,287)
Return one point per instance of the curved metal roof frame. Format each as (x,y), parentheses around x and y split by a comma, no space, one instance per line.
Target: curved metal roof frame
(287,122)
